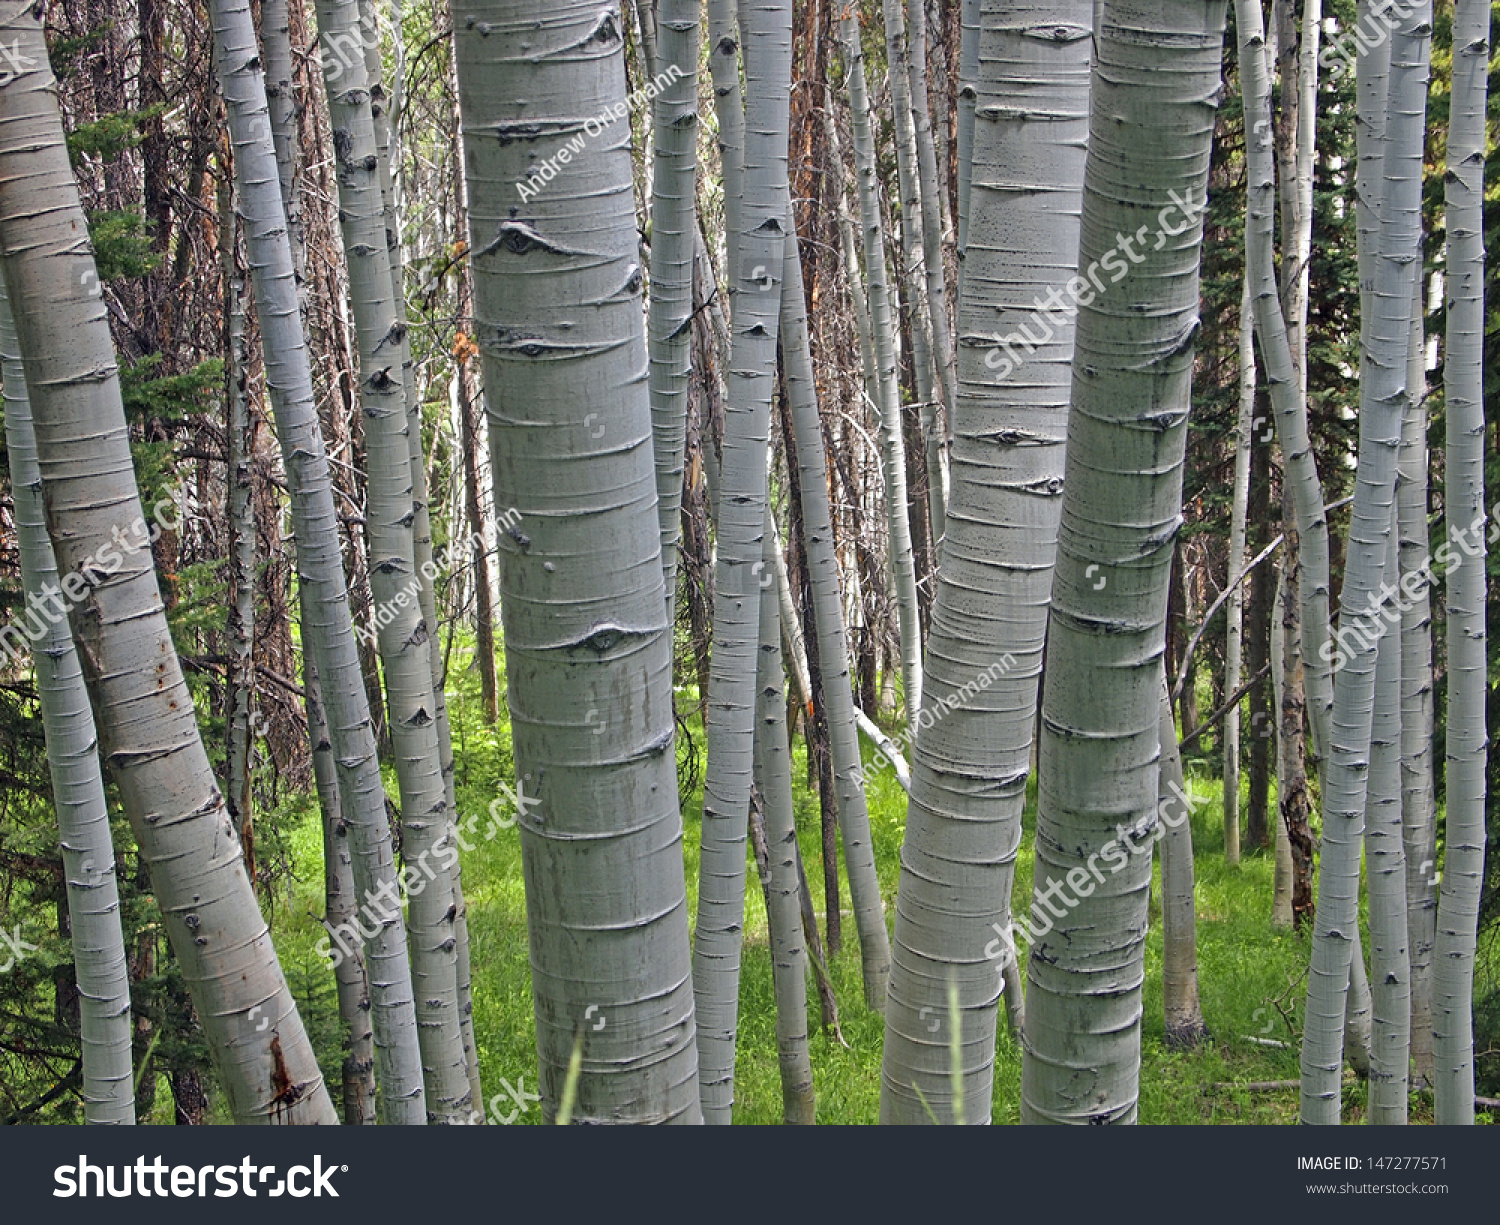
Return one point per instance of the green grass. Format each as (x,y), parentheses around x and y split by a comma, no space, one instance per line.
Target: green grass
(1245,964)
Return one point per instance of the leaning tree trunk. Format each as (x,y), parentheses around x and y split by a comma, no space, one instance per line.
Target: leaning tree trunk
(587,642)
(1352,655)
(77,785)
(783,908)
(892,448)
(146,717)
(759,253)
(1463,383)
(1390,978)
(989,619)
(828,623)
(1155,93)
(327,627)
(395,581)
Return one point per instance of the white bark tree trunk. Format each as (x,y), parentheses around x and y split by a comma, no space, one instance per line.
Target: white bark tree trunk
(99,966)
(588,648)
(989,618)
(1463,382)
(1155,98)
(327,627)
(145,714)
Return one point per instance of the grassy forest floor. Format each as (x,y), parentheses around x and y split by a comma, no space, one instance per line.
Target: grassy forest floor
(1251,975)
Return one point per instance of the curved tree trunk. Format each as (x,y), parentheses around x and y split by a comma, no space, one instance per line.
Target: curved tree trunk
(1155,91)
(1463,382)
(989,619)
(93,895)
(327,627)
(146,718)
(586,638)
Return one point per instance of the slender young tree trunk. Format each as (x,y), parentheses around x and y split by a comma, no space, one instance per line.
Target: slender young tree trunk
(1235,613)
(395,582)
(1179,916)
(1418,801)
(674,237)
(1281,894)
(601,834)
(934,430)
(783,913)
(281,104)
(341,905)
(77,784)
(1352,655)
(327,626)
(829,633)
(1390,980)
(759,251)
(424,571)
(989,620)
(1463,382)
(893,452)
(239,436)
(968,92)
(1155,91)
(146,718)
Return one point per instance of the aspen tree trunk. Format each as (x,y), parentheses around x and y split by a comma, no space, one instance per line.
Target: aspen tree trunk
(1155,92)
(327,626)
(586,637)
(1292,796)
(403,634)
(239,434)
(1179,916)
(909,284)
(1281,892)
(783,911)
(892,450)
(281,105)
(1418,800)
(1390,979)
(1463,382)
(928,180)
(424,572)
(1382,401)
(674,237)
(968,76)
(1234,632)
(829,631)
(989,619)
(145,715)
(759,252)
(93,896)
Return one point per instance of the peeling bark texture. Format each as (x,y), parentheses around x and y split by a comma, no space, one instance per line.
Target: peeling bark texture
(1463,381)
(989,619)
(93,894)
(145,715)
(327,626)
(587,643)
(1156,89)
